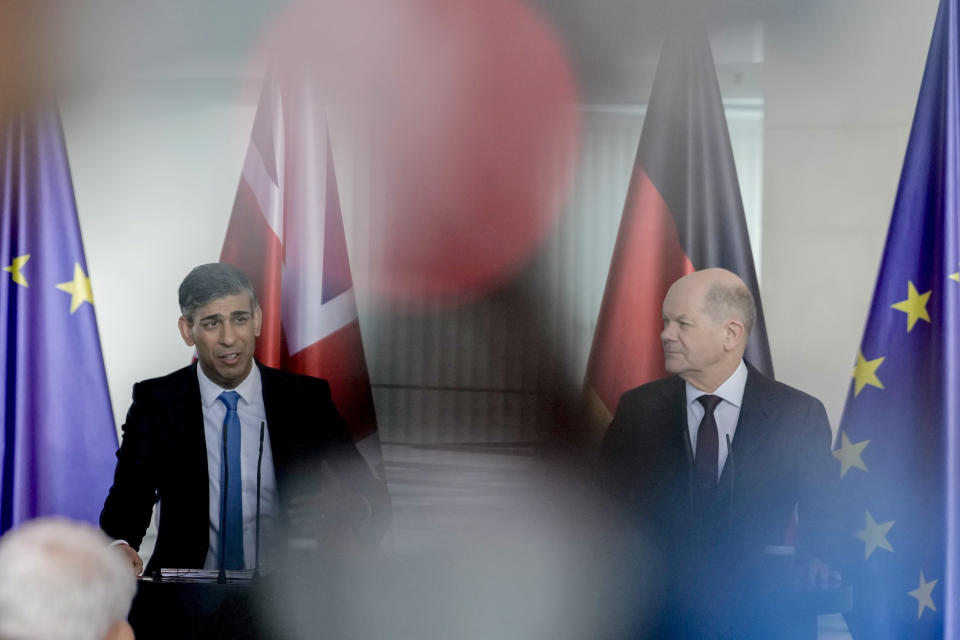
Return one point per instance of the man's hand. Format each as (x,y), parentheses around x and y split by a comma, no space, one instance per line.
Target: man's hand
(131,555)
(816,574)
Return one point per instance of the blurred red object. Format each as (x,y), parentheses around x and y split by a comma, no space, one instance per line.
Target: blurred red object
(472,110)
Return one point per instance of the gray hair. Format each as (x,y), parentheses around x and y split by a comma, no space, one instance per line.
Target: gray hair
(209,282)
(61,580)
(722,300)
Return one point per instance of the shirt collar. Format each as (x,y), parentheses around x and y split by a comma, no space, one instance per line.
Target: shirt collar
(210,390)
(731,390)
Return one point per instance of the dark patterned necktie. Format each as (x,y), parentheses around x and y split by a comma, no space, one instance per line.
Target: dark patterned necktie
(708,442)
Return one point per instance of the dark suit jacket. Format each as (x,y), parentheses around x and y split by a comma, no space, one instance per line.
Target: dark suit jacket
(780,458)
(163,455)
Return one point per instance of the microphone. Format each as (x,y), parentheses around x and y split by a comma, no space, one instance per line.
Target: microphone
(688,447)
(733,477)
(256,544)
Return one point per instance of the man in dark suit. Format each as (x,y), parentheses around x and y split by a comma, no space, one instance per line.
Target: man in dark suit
(192,441)
(713,463)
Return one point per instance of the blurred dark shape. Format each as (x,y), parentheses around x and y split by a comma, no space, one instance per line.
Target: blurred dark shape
(554,568)
(471,110)
(327,511)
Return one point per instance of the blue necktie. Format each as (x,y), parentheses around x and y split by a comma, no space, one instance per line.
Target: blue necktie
(231,511)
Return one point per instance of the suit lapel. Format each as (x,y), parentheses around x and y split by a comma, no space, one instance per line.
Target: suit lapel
(675,397)
(273,406)
(754,426)
(267,386)
(193,437)
(187,412)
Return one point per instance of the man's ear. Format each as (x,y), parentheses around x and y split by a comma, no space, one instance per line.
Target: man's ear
(184,325)
(734,335)
(257,321)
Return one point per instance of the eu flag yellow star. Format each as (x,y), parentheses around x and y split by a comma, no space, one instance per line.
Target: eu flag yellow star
(874,535)
(849,454)
(915,306)
(955,276)
(924,595)
(866,373)
(15,267)
(78,288)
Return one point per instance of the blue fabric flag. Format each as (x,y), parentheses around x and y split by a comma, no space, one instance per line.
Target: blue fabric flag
(59,439)
(899,442)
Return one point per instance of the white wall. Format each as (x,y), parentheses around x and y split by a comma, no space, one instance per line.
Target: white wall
(155,169)
(840,84)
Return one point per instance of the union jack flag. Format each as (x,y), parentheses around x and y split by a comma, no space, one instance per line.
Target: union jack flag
(286,233)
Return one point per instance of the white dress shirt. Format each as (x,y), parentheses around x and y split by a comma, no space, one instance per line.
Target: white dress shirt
(252,413)
(726,413)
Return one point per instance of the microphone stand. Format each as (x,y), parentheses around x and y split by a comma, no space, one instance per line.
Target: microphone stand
(733,480)
(256,545)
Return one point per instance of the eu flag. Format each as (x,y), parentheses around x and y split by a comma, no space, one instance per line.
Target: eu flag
(899,445)
(56,454)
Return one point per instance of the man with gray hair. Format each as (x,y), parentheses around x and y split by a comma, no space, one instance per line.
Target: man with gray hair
(61,580)
(227,442)
(713,463)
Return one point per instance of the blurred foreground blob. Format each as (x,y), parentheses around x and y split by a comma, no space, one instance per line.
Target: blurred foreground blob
(468,110)
(555,564)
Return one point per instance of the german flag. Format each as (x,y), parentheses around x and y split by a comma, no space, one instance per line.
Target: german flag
(683,213)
